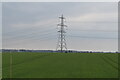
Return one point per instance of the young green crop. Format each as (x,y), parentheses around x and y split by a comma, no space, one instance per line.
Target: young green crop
(60,65)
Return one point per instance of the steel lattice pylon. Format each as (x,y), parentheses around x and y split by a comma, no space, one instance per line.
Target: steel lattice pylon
(61,44)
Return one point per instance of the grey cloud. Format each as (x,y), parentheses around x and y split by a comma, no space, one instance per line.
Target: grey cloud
(26,18)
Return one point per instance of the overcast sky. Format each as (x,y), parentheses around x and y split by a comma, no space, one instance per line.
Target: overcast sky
(33,25)
(0,25)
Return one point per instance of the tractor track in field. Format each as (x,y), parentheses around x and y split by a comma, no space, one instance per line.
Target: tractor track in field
(111,59)
(34,58)
(108,61)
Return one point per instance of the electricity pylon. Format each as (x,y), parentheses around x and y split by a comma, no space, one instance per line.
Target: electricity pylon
(61,45)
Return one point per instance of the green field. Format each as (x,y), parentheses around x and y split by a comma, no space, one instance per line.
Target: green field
(60,65)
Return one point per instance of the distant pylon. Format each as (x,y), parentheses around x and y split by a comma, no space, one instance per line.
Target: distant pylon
(61,44)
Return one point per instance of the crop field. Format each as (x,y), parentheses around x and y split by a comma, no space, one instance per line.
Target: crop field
(60,65)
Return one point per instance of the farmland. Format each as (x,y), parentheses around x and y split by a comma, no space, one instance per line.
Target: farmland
(60,65)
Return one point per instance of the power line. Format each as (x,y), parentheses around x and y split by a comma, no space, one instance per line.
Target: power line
(29,35)
(32,37)
(43,38)
(25,29)
(90,37)
(100,31)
